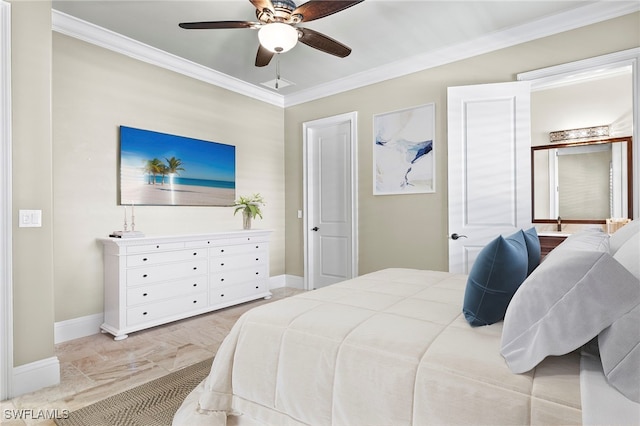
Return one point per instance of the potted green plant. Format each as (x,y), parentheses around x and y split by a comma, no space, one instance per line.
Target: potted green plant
(250,207)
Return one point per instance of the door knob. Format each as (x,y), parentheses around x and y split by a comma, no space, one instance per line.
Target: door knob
(315,228)
(455,236)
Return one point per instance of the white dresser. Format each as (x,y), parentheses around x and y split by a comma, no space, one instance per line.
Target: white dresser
(151,281)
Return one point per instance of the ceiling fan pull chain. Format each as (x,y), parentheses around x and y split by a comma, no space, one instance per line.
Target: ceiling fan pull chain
(277,71)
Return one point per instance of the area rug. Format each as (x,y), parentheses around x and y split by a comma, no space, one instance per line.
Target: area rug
(151,404)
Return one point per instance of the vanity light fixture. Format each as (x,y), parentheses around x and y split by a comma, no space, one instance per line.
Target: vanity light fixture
(583,133)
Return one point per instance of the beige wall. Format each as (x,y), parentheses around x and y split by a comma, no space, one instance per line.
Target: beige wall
(33,310)
(418,237)
(94,92)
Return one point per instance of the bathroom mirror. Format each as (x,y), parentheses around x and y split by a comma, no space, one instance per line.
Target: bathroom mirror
(582,182)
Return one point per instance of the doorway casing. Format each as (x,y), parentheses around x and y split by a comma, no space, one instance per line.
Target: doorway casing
(6,281)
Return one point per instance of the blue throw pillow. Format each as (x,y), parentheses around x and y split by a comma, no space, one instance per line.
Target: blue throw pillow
(499,269)
(533,248)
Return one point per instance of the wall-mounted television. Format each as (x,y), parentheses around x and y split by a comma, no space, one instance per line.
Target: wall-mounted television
(159,169)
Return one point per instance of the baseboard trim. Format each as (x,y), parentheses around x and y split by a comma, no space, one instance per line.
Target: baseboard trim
(278,281)
(35,375)
(89,325)
(77,327)
(285,280)
(294,281)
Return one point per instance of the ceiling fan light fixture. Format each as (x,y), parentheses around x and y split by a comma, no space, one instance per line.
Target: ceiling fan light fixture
(278,37)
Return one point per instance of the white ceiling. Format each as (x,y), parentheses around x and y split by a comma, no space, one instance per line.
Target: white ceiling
(388,38)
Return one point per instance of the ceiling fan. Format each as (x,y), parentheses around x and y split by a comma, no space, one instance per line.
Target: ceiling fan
(278,30)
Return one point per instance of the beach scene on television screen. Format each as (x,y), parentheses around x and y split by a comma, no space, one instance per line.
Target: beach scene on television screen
(162,169)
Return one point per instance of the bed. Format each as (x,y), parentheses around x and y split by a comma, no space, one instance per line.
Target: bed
(396,347)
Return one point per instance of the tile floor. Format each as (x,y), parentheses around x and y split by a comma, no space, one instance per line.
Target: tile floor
(95,367)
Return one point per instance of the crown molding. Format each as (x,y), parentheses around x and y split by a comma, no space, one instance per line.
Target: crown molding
(99,36)
(610,65)
(587,15)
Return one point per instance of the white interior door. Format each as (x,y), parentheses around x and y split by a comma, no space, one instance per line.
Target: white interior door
(489,167)
(330,242)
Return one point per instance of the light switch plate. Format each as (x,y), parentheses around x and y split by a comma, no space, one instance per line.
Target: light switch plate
(30,218)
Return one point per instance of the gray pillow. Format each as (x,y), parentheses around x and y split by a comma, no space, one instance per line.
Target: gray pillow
(566,302)
(620,354)
(591,240)
(621,236)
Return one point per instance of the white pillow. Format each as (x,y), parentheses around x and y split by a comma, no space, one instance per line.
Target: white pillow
(620,354)
(565,302)
(621,236)
(629,255)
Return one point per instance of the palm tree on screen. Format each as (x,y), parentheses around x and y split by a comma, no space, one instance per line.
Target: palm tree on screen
(174,165)
(153,168)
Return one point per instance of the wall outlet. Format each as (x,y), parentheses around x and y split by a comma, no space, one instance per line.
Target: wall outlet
(30,218)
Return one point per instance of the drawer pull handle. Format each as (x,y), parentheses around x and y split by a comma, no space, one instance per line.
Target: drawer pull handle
(222,251)
(195,285)
(157,246)
(144,313)
(195,301)
(195,254)
(195,267)
(257,258)
(222,264)
(144,294)
(257,273)
(144,259)
(257,286)
(257,246)
(222,295)
(144,276)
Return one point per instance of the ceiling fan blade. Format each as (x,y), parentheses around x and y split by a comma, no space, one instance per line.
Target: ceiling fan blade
(214,25)
(263,4)
(313,9)
(322,42)
(263,57)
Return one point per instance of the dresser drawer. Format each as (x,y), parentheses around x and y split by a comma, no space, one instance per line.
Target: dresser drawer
(230,293)
(165,256)
(200,243)
(159,310)
(151,274)
(220,279)
(230,250)
(166,290)
(227,263)
(154,247)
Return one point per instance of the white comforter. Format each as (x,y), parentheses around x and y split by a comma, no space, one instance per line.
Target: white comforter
(386,348)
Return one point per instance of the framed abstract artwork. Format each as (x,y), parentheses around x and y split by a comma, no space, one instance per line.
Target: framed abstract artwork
(161,169)
(403,151)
